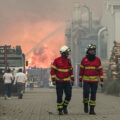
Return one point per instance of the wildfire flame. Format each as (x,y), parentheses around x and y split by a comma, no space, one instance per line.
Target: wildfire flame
(41,57)
(29,34)
(44,55)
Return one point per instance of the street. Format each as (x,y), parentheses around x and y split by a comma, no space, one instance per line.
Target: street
(40,104)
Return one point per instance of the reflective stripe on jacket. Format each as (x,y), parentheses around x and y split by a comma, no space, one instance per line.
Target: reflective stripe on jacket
(91,71)
(61,70)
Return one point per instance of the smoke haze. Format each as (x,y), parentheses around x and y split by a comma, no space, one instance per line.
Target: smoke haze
(26,22)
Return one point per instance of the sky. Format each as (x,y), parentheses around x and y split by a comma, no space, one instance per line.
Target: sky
(26,22)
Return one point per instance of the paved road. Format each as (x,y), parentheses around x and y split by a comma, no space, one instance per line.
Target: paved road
(40,104)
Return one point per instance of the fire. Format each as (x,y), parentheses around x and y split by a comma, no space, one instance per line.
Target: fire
(44,55)
(41,57)
(28,34)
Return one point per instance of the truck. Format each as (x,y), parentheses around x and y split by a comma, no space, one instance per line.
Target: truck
(12,58)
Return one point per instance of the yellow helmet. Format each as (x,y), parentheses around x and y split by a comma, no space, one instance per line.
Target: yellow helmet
(91,46)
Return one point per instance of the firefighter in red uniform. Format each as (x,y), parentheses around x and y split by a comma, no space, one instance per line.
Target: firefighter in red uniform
(62,77)
(90,72)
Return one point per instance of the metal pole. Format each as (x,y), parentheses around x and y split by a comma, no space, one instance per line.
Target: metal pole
(99,34)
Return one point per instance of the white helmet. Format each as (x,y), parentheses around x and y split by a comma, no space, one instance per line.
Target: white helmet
(64,49)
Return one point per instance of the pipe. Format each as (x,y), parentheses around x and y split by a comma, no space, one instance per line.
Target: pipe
(99,34)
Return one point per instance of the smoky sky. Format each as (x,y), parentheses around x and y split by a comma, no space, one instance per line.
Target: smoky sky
(40,50)
(15,15)
(26,22)
(42,9)
(13,12)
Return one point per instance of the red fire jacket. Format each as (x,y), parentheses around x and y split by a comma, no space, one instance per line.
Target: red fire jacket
(61,70)
(91,71)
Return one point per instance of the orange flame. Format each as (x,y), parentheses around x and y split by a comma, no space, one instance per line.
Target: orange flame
(47,52)
(42,57)
(28,34)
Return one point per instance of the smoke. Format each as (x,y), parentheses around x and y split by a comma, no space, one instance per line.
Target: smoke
(26,22)
(42,57)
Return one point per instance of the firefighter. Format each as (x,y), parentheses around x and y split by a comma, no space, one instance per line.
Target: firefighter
(90,73)
(31,83)
(62,77)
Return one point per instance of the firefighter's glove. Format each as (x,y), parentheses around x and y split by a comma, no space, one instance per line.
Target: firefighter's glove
(101,83)
(54,82)
(80,84)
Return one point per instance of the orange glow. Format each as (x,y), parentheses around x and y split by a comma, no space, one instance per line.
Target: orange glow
(28,34)
(47,52)
(41,57)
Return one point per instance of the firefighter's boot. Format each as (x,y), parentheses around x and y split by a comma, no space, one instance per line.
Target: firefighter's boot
(86,107)
(92,112)
(65,110)
(60,112)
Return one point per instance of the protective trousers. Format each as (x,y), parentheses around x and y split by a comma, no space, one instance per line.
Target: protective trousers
(67,89)
(90,88)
